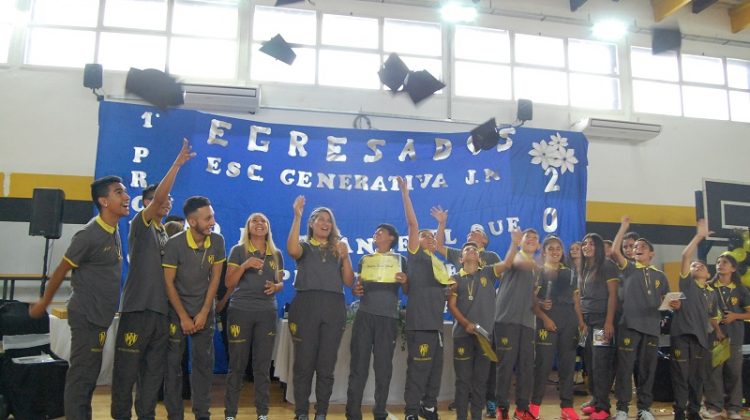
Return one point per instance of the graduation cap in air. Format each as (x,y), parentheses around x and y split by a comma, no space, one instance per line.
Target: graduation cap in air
(420,85)
(285,2)
(155,87)
(485,136)
(279,49)
(393,72)
(665,39)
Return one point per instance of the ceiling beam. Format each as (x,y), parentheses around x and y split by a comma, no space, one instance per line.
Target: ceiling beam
(739,16)
(664,8)
(701,5)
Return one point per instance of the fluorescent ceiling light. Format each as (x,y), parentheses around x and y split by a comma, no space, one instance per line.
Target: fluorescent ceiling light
(609,30)
(457,12)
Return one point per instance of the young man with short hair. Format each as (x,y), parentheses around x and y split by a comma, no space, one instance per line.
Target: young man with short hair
(643,288)
(375,327)
(472,303)
(95,256)
(141,347)
(192,269)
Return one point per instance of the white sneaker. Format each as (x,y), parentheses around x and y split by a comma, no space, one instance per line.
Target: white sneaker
(645,415)
(621,415)
(709,413)
(734,415)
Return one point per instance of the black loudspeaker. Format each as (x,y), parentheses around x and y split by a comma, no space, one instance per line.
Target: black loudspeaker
(665,39)
(47,213)
(525,110)
(92,76)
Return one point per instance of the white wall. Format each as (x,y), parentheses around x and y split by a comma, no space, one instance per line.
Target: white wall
(48,121)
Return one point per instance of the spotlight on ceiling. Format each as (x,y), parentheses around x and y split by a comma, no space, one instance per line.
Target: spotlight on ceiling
(609,30)
(457,11)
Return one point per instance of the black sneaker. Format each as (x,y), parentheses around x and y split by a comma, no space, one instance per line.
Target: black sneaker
(302,417)
(428,413)
(679,414)
(502,413)
(411,417)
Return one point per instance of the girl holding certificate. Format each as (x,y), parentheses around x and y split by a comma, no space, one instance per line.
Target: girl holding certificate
(317,315)
(381,275)
(254,273)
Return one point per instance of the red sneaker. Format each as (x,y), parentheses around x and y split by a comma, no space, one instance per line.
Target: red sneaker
(523,415)
(588,410)
(534,410)
(568,413)
(600,415)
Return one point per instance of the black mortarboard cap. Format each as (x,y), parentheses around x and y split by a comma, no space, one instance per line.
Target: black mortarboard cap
(393,72)
(665,39)
(485,136)
(279,49)
(155,87)
(285,2)
(421,84)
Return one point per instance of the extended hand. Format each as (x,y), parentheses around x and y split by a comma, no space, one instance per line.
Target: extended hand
(299,205)
(186,153)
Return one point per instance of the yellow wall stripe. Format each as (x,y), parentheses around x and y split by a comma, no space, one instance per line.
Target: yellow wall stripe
(603,212)
(75,187)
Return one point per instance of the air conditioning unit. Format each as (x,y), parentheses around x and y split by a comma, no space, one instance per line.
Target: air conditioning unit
(601,129)
(222,98)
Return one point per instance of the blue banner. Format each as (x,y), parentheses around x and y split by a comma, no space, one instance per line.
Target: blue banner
(535,178)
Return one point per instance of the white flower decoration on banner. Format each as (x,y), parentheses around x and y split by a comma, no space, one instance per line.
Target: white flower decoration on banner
(545,155)
(554,154)
(568,160)
(557,141)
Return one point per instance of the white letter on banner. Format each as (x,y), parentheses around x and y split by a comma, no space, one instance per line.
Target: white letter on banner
(303,179)
(251,172)
(252,144)
(449,240)
(490,175)
(378,185)
(550,215)
(233,169)
(408,150)
(373,145)
(287,176)
(471,178)
(439,182)
(365,246)
(215,132)
(334,149)
(512,223)
(360,182)
(213,165)
(345,182)
(138,179)
(325,180)
(139,153)
(496,227)
(443,149)
(297,142)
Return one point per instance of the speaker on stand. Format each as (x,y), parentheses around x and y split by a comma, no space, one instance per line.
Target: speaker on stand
(46,220)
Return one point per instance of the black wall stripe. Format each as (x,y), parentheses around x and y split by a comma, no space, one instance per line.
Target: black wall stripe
(19,210)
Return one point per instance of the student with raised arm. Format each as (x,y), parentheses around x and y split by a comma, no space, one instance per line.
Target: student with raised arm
(643,289)
(598,283)
(472,303)
(724,390)
(95,256)
(254,275)
(317,315)
(424,318)
(141,348)
(514,330)
(559,310)
(375,326)
(476,235)
(192,263)
(691,327)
